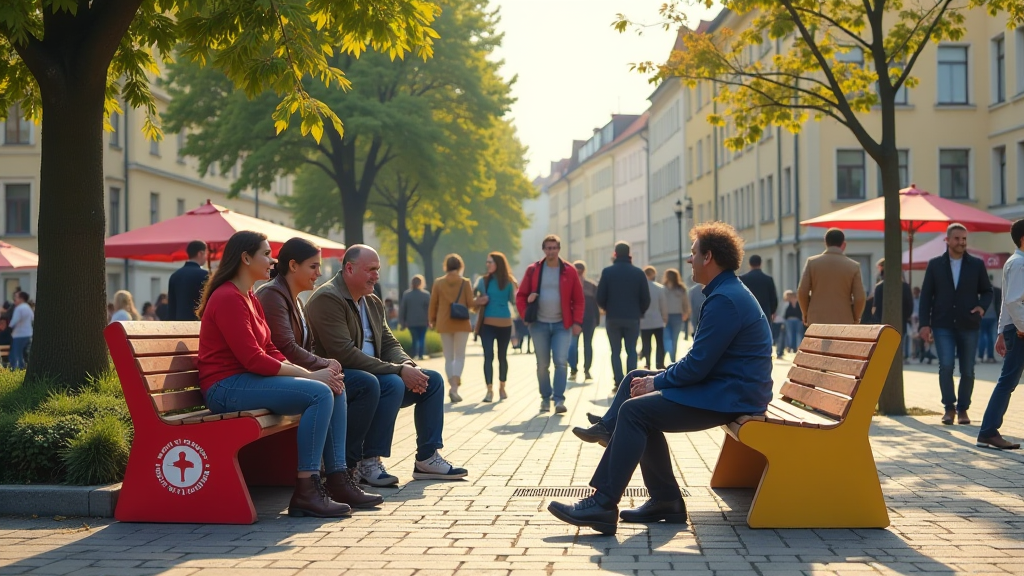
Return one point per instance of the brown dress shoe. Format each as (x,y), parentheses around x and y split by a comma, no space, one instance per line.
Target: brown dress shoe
(963,418)
(311,499)
(343,488)
(997,442)
(947,418)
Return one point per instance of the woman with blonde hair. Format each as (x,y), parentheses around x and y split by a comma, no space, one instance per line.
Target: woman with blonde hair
(124,307)
(678,310)
(450,300)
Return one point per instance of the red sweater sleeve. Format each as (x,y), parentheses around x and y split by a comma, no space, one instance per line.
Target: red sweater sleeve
(244,335)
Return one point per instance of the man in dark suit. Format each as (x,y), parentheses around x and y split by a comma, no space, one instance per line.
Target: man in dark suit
(624,295)
(954,295)
(762,286)
(878,306)
(186,284)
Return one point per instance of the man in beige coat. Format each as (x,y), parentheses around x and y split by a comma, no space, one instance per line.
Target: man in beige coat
(831,291)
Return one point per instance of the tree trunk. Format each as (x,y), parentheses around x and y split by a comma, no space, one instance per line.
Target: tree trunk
(70,294)
(891,402)
(425,248)
(402,232)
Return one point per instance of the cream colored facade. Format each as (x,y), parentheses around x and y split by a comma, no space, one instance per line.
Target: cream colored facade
(666,136)
(144,182)
(958,135)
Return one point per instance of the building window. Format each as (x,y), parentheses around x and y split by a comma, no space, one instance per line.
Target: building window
(998,70)
(850,174)
(953,75)
(181,144)
(954,173)
(854,56)
(707,146)
(154,147)
(181,206)
(17,129)
(154,207)
(904,160)
(689,164)
(999,175)
(115,134)
(1019,43)
(17,203)
(770,198)
(787,191)
(115,211)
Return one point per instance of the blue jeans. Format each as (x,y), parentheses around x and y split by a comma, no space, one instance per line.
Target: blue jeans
(794,332)
(622,333)
(380,424)
(551,342)
(323,414)
(588,349)
(1013,366)
(419,341)
(672,330)
(987,338)
(951,345)
(19,346)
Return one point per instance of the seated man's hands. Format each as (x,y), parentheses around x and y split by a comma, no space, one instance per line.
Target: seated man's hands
(414,379)
(640,386)
(334,366)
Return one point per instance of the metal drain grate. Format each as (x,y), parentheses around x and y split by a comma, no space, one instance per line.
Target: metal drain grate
(580,492)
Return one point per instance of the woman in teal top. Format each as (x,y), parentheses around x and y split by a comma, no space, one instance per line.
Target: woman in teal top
(494,320)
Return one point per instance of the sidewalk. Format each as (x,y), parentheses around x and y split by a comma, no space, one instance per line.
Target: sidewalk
(954,508)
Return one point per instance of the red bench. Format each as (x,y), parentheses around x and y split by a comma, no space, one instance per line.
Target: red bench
(188,464)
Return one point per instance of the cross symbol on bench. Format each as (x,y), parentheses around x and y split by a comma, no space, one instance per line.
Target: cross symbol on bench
(183,463)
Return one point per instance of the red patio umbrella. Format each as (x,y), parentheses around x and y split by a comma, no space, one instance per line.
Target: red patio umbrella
(12,257)
(937,247)
(166,241)
(919,212)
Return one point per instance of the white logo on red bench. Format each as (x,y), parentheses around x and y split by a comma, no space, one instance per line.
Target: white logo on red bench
(182,467)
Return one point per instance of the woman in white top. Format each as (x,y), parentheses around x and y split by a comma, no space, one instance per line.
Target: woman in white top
(124,307)
(21,330)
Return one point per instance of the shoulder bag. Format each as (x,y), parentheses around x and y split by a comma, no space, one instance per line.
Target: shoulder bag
(458,310)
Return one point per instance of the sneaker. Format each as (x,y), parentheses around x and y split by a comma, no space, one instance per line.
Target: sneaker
(437,468)
(545,405)
(372,472)
(560,407)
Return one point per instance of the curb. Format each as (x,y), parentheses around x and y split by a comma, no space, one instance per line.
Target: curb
(59,499)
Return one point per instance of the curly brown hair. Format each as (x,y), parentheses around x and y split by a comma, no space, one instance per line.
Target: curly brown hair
(721,239)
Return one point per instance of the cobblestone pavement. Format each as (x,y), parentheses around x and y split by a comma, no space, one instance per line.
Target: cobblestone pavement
(954,508)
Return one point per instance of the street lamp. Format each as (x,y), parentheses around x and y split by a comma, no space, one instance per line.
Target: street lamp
(678,209)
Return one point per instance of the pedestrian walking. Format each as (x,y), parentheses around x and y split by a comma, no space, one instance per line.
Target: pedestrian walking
(653,323)
(624,295)
(21,330)
(1009,345)
(591,318)
(149,312)
(678,310)
(990,327)
(697,298)
(793,320)
(450,300)
(954,295)
(831,290)
(550,301)
(495,290)
(908,305)
(124,308)
(414,314)
(186,284)
(162,311)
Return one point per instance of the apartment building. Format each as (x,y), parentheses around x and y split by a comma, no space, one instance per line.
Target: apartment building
(145,182)
(584,200)
(537,211)
(960,136)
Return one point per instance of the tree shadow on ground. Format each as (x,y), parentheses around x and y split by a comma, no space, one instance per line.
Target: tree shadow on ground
(540,425)
(954,434)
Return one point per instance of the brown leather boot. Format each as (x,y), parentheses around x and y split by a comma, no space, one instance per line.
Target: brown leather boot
(311,499)
(343,488)
(947,418)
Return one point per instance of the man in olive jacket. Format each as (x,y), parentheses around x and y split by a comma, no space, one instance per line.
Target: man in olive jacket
(349,325)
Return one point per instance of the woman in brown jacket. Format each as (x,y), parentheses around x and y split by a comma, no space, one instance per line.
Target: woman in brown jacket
(452,288)
(297,270)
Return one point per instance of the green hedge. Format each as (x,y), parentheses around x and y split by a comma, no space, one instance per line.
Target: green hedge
(405,339)
(51,434)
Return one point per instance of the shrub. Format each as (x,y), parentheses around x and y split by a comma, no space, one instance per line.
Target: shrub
(89,404)
(99,454)
(7,423)
(18,396)
(34,446)
(405,339)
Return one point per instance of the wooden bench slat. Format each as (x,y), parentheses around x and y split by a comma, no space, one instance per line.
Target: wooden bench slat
(178,419)
(775,416)
(207,416)
(163,364)
(816,379)
(792,416)
(145,329)
(846,366)
(171,401)
(276,420)
(831,404)
(812,419)
(863,332)
(172,381)
(838,348)
(164,346)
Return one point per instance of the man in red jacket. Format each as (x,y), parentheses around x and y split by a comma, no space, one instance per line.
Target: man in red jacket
(552,289)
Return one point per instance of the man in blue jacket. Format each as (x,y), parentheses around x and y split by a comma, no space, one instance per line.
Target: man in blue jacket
(726,374)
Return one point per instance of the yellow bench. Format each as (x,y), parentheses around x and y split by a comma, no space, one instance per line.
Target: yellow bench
(809,455)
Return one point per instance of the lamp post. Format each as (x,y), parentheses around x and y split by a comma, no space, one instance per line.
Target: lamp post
(678,209)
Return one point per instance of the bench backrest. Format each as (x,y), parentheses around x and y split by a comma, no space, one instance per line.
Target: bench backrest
(161,359)
(831,365)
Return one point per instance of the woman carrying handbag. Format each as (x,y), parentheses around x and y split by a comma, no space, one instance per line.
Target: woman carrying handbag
(450,300)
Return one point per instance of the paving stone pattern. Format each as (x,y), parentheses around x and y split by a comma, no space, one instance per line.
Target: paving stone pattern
(955,509)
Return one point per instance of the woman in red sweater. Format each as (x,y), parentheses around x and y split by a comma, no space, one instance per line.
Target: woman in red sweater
(241,369)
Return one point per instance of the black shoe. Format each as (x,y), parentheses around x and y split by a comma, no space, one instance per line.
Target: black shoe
(573,374)
(596,433)
(593,418)
(587,512)
(671,511)
(586,375)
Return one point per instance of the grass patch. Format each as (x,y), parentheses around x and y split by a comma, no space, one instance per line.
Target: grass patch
(433,340)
